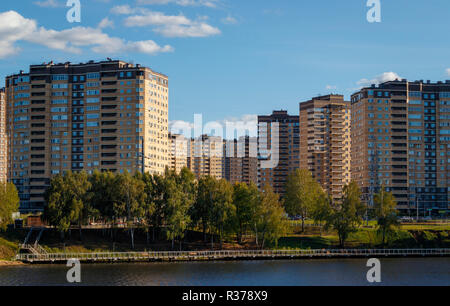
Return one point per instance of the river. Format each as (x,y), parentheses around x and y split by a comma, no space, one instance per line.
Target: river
(316,272)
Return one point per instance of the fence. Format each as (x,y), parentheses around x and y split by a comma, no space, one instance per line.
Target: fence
(226,255)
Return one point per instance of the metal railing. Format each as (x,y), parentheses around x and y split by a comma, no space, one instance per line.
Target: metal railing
(217,255)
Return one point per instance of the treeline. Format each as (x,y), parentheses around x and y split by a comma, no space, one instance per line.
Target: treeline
(173,203)
(168,204)
(9,203)
(306,198)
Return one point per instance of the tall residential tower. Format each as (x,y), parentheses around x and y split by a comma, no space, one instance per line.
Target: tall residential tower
(3,138)
(109,115)
(325,142)
(401,140)
(285,129)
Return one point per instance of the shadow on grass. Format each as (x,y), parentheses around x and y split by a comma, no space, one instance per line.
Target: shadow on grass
(314,242)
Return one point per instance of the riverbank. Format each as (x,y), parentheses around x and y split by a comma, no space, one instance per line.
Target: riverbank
(138,257)
(101,241)
(4,263)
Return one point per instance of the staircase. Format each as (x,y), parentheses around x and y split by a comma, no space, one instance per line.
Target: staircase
(33,248)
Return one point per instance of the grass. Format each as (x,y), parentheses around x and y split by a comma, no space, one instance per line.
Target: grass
(8,247)
(410,236)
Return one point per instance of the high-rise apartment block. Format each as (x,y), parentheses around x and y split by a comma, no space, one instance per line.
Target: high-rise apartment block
(325,142)
(205,155)
(109,115)
(3,138)
(240,163)
(179,152)
(285,129)
(401,140)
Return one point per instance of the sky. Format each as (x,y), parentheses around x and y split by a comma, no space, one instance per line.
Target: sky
(234,59)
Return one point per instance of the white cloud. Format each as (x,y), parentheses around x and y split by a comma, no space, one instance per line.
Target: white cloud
(14,28)
(331,87)
(448,71)
(384,77)
(229,20)
(106,23)
(126,10)
(207,3)
(49,3)
(171,25)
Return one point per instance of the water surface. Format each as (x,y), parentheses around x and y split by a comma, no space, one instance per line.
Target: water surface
(318,272)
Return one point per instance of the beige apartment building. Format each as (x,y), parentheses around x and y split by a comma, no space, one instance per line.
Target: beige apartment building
(179,152)
(240,163)
(3,138)
(325,142)
(401,140)
(285,128)
(205,156)
(108,115)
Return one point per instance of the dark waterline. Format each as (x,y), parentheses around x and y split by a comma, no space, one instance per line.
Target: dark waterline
(317,272)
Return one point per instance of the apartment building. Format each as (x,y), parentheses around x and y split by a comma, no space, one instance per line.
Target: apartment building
(3,138)
(108,115)
(205,155)
(401,140)
(278,141)
(325,142)
(179,152)
(240,163)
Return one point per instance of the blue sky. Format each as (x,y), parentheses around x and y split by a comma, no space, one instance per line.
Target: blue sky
(234,58)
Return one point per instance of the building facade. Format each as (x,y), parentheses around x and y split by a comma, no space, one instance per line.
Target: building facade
(109,115)
(179,152)
(325,142)
(240,163)
(401,140)
(205,155)
(278,140)
(3,138)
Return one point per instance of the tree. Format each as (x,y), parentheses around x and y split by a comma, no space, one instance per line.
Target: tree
(321,209)
(180,194)
(103,195)
(270,217)
(9,203)
(130,195)
(66,199)
(386,213)
(302,191)
(245,199)
(346,217)
(79,187)
(149,205)
(187,184)
(201,210)
(222,209)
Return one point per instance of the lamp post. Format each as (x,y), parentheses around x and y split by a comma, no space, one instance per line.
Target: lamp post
(417,207)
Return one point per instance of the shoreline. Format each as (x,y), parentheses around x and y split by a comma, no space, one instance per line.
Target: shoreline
(136,257)
(7,263)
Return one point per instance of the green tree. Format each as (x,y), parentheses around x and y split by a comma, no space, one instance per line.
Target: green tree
(346,217)
(201,210)
(149,205)
(103,196)
(321,209)
(270,218)
(130,195)
(302,192)
(222,210)
(386,213)
(180,195)
(9,203)
(79,187)
(66,199)
(245,199)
